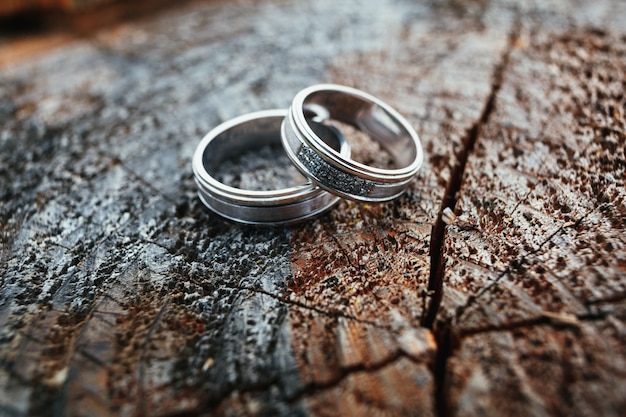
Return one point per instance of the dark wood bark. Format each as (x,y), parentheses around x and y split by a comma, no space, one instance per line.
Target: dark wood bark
(494,286)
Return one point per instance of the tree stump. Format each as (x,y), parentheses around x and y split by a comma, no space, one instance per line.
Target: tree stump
(495,286)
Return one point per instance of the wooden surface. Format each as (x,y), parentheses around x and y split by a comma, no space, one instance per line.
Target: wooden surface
(37,8)
(122,295)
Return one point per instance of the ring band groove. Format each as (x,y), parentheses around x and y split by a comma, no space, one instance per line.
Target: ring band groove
(272,207)
(336,172)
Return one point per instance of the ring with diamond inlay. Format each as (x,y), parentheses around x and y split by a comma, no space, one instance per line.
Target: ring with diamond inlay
(337,173)
(256,132)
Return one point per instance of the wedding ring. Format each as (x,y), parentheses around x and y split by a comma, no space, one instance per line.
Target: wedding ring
(334,171)
(300,199)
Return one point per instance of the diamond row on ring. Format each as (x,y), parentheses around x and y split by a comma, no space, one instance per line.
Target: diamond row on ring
(328,174)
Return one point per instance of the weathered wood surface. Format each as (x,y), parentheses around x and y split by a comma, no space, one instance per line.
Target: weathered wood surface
(122,295)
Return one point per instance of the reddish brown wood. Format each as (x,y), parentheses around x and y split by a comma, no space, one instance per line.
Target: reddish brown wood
(534,273)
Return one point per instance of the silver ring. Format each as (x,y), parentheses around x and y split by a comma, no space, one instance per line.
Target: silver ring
(332,170)
(251,132)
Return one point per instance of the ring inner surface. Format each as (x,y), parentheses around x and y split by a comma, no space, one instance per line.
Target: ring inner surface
(250,156)
(369,118)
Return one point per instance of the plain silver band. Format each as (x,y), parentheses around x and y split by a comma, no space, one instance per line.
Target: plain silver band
(274,207)
(337,173)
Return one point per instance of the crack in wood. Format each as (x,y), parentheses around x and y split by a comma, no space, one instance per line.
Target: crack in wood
(281,298)
(447,336)
(343,251)
(103,261)
(92,358)
(331,314)
(308,390)
(315,387)
(515,262)
(143,181)
(615,298)
(141,394)
(437,264)
(444,335)
(562,320)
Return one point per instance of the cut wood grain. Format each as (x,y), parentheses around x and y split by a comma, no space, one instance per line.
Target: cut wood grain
(122,295)
(535,274)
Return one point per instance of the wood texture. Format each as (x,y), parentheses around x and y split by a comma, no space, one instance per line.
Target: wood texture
(547,173)
(15,7)
(494,286)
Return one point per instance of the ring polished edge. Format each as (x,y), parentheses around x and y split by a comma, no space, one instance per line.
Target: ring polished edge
(335,172)
(274,207)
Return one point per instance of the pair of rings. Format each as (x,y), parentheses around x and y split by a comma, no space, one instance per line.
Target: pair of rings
(317,149)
